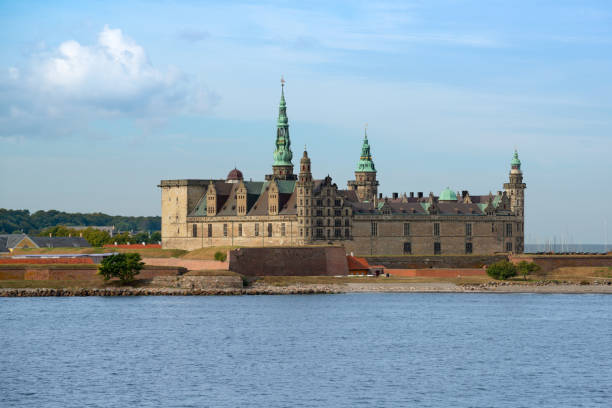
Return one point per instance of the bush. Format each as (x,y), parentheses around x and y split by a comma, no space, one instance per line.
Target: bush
(122,266)
(525,268)
(501,270)
(220,256)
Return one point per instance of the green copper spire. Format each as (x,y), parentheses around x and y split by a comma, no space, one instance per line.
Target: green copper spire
(282,154)
(365,161)
(515,163)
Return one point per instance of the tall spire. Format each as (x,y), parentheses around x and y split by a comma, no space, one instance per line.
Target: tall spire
(515,163)
(365,160)
(282,154)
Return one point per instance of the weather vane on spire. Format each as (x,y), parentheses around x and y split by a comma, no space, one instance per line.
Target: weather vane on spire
(366,129)
(282,81)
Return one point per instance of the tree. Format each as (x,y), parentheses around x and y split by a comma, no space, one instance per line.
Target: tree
(155,237)
(525,268)
(501,270)
(122,266)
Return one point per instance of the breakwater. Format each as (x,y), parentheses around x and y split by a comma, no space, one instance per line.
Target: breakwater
(123,291)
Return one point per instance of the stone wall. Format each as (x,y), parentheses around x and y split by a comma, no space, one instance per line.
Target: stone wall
(86,273)
(434,261)
(294,261)
(488,235)
(198,282)
(551,262)
(437,273)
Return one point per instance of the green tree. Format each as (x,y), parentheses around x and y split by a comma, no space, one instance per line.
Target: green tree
(122,266)
(155,237)
(501,270)
(525,268)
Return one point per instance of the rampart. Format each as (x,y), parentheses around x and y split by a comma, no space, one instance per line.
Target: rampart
(289,261)
(435,261)
(74,272)
(551,262)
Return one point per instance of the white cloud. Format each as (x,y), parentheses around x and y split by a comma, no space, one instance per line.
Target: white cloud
(78,83)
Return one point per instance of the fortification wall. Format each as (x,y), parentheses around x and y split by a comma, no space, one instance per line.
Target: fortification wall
(294,261)
(552,262)
(434,261)
(24,272)
(198,282)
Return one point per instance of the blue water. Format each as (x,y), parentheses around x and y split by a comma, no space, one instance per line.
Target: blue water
(422,350)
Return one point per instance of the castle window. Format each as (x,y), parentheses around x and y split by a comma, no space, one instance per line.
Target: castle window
(508,230)
(468,230)
(239,230)
(492,227)
(337,222)
(436,230)
(338,213)
(346,223)
(328,233)
(328,201)
(337,203)
(468,247)
(301,202)
(319,203)
(319,223)
(194,231)
(209,230)
(319,232)
(269,230)
(338,233)
(346,212)
(328,222)
(319,213)
(406,229)
(256,230)
(301,232)
(374,229)
(347,233)
(437,248)
(508,246)
(282,229)
(328,212)
(407,248)
(225,230)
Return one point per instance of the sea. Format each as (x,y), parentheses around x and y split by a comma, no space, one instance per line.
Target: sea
(348,350)
(562,247)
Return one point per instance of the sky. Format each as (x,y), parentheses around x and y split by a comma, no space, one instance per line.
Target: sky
(100,100)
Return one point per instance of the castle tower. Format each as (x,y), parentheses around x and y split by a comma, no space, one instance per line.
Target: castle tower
(516,188)
(304,188)
(282,168)
(365,176)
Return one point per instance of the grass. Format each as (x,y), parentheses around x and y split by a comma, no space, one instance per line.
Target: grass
(61,284)
(211,273)
(144,252)
(343,280)
(207,253)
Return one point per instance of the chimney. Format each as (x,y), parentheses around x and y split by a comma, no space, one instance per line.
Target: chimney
(380,196)
(412,194)
(420,194)
(395,196)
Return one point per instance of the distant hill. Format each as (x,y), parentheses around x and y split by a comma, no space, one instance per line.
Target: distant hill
(22,220)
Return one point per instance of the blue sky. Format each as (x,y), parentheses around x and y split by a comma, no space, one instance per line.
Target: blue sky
(101,100)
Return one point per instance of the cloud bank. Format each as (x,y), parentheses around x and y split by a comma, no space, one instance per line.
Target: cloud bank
(60,92)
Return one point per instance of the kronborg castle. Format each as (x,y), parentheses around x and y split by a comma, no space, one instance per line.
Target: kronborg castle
(289,209)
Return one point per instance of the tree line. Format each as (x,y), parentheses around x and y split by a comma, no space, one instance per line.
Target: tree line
(22,221)
(99,238)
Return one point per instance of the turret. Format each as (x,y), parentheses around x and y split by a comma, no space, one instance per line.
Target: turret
(515,188)
(365,182)
(282,168)
(304,187)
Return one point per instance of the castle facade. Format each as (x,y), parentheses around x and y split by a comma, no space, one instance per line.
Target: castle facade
(288,209)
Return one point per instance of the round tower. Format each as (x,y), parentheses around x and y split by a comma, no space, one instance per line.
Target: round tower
(304,203)
(515,188)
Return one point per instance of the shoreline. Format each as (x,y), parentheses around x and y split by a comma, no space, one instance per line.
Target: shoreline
(318,289)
